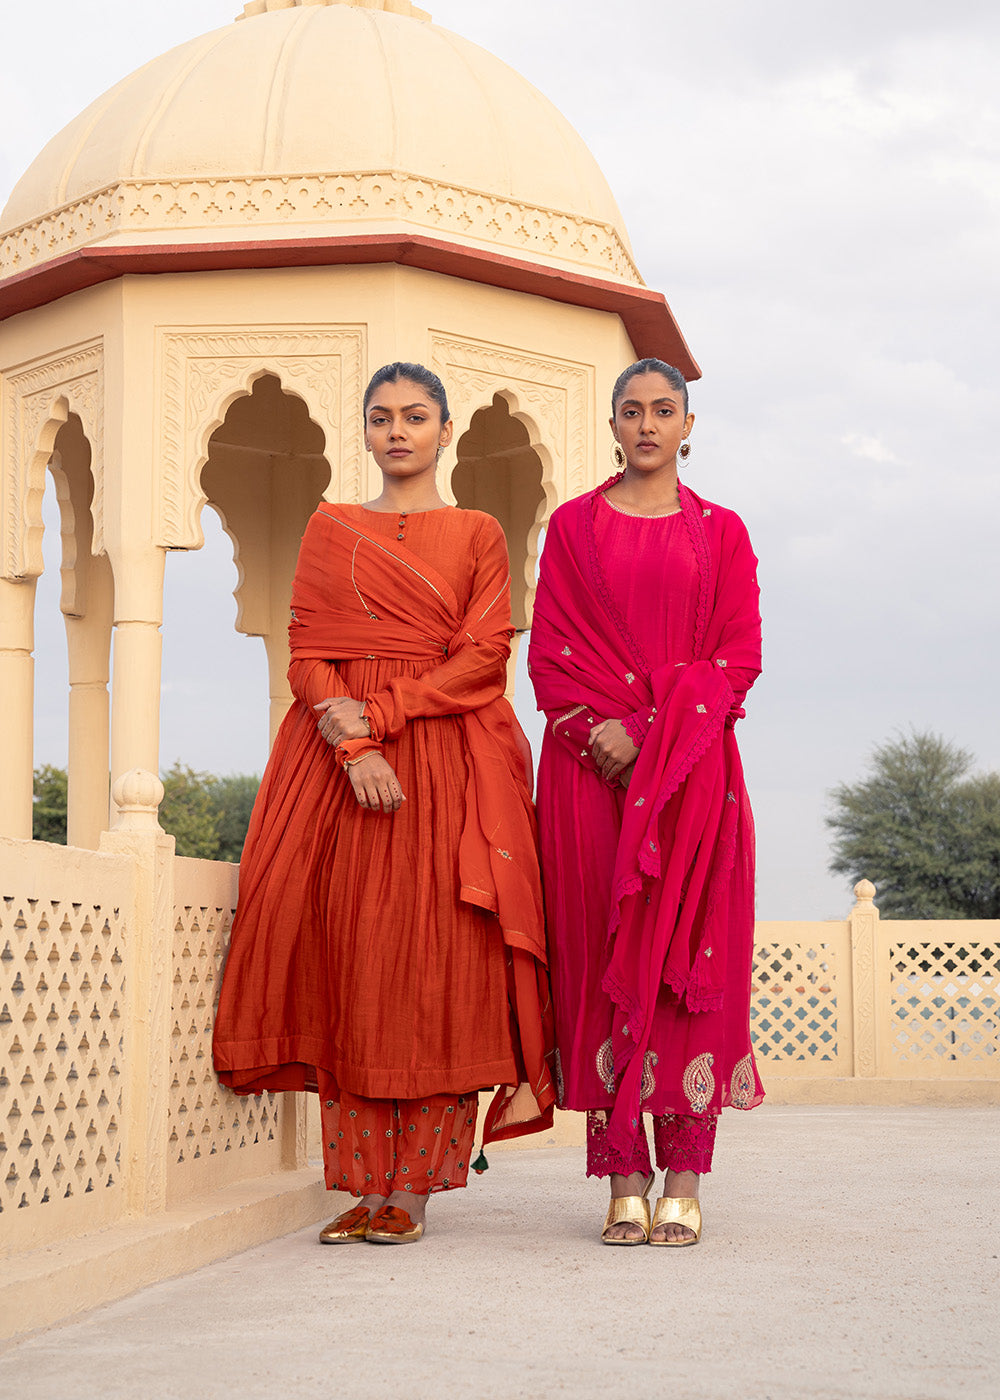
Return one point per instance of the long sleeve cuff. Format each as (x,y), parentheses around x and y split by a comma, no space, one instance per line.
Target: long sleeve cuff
(573,728)
(351,750)
(636,725)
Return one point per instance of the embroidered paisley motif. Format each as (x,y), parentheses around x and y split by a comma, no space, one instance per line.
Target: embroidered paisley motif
(741,1088)
(699,1082)
(649,1063)
(605,1062)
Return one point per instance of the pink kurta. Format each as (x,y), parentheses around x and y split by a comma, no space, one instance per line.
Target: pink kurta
(649,889)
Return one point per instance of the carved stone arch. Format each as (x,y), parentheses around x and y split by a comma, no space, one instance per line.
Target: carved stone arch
(550,496)
(70,469)
(232,535)
(204,371)
(265,472)
(38,400)
(536,437)
(552,397)
(501,467)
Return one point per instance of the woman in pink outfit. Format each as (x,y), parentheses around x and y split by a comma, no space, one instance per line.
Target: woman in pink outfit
(645,641)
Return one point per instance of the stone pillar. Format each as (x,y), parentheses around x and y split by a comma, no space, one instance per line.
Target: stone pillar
(17,687)
(863,922)
(88,640)
(280,694)
(135,690)
(137,834)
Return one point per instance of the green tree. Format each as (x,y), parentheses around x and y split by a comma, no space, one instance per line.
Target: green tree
(923,829)
(48,814)
(207,816)
(232,800)
(187,813)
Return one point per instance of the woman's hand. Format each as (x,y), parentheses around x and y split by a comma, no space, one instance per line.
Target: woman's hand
(612,748)
(375,784)
(341,719)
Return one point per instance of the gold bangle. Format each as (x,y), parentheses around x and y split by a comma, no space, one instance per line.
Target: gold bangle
(350,762)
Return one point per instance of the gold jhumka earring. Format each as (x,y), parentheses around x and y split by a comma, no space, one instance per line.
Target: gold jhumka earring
(684,452)
(618,457)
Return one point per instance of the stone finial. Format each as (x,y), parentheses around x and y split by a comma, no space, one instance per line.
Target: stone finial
(393,7)
(137,795)
(864,891)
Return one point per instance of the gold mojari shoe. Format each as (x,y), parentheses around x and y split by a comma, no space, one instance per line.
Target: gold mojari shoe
(630,1210)
(348,1228)
(677,1210)
(392,1225)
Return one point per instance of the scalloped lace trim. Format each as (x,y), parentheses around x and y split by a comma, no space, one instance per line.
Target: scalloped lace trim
(635,730)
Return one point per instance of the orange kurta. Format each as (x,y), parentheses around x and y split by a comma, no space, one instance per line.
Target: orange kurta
(393,955)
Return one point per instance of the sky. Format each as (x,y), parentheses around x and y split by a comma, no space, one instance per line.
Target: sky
(815,187)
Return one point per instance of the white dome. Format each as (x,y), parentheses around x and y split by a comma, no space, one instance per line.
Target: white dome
(320,117)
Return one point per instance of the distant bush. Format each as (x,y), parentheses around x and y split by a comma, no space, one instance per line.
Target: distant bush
(207,816)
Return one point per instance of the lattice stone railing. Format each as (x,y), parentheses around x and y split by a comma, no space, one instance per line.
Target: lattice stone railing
(63,967)
(795,1016)
(944,1002)
(894,1000)
(110,964)
(215,1136)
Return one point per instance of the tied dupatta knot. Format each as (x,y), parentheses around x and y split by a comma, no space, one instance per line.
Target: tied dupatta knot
(389,602)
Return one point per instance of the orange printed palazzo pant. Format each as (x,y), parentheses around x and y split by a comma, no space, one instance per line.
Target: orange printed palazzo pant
(377,1146)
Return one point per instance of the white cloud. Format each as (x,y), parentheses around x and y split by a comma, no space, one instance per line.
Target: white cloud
(871,448)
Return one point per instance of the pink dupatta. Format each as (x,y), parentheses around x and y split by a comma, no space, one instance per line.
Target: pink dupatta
(672,899)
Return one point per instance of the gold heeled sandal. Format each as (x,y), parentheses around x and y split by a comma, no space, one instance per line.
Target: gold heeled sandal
(628,1210)
(677,1210)
(349,1228)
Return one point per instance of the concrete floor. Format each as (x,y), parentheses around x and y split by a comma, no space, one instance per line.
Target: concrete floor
(848,1252)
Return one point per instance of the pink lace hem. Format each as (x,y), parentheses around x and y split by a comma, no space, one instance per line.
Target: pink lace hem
(605,1160)
(682,1144)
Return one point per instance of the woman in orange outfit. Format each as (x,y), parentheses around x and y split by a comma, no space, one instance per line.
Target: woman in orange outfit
(388,948)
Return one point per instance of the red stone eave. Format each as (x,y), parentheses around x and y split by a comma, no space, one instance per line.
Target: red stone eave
(645,314)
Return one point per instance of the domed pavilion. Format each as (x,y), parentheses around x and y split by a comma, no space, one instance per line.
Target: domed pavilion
(197,276)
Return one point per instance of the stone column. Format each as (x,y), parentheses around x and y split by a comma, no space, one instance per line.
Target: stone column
(276,646)
(88,642)
(864,930)
(17,686)
(135,687)
(137,834)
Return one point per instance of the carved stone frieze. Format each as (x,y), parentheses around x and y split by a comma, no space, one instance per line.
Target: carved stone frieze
(203,371)
(165,210)
(37,399)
